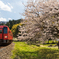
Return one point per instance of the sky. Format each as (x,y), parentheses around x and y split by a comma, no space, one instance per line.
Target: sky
(11,9)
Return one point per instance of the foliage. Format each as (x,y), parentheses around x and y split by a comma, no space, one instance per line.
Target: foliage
(12,22)
(24,51)
(15,29)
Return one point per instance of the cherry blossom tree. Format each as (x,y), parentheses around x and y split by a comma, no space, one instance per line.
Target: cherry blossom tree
(42,19)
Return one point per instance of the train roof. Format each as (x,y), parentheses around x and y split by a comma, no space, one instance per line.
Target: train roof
(1,26)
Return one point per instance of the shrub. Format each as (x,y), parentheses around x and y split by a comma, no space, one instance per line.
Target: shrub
(15,29)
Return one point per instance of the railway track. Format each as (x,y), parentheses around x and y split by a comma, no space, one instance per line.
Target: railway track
(1,47)
(4,46)
(5,51)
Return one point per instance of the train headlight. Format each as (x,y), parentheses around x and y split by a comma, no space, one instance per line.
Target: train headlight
(6,36)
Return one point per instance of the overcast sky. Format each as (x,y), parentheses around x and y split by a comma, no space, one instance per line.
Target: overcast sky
(11,9)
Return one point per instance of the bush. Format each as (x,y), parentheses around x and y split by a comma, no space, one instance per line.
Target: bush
(15,29)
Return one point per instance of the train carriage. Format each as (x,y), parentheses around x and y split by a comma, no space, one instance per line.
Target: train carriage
(6,35)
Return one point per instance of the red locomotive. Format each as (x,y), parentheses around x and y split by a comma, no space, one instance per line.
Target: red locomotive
(6,35)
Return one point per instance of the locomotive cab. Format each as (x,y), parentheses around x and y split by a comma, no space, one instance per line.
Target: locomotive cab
(5,36)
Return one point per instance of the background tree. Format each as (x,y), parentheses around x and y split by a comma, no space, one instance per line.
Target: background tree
(15,30)
(12,22)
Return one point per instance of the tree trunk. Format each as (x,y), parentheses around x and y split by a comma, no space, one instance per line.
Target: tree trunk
(58,47)
(58,44)
(48,40)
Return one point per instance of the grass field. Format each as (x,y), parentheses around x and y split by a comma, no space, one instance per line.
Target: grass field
(24,51)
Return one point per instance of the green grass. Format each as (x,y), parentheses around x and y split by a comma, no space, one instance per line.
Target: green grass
(51,41)
(49,44)
(24,51)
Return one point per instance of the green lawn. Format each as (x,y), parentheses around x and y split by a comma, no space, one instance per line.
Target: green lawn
(24,51)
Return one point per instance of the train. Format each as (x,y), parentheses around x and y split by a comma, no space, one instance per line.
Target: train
(6,35)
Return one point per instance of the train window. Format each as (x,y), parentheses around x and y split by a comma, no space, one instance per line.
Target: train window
(5,30)
(0,31)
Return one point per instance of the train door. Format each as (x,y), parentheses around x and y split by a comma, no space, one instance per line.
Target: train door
(5,34)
